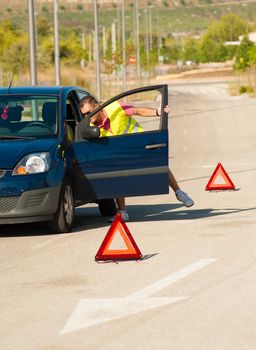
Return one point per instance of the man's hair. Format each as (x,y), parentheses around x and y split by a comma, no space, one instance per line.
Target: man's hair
(88,99)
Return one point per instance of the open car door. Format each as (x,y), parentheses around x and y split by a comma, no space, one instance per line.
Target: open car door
(133,164)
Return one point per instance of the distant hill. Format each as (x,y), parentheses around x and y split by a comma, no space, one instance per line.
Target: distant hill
(167,16)
(73,4)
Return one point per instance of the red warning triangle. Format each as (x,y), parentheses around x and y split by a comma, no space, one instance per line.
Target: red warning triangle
(219,180)
(118,243)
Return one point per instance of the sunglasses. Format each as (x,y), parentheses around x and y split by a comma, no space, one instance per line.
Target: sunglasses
(87,114)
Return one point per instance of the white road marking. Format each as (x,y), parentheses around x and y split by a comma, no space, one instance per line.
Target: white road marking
(173,278)
(90,312)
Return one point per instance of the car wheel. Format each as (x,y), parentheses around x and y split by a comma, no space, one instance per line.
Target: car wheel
(107,207)
(64,217)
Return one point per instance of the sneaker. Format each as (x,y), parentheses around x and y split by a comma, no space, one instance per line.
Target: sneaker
(124,215)
(184,198)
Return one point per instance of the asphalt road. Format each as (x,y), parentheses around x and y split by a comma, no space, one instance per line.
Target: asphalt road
(195,287)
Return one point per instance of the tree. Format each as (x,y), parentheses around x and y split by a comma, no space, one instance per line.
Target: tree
(71,51)
(44,27)
(228,28)
(15,57)
(244,54)
(232,26)
(7,35)
(13,47)
(212,50)
(191,50)
(45,53)
(252,56)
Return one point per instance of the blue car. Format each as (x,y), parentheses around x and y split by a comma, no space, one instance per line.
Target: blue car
(46,169)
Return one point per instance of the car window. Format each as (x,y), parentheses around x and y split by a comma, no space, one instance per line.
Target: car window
(81,94)
(34,116)
(151,99)
(134,111)
(130,105)
(71,118)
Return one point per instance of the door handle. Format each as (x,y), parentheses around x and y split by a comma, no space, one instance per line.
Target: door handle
(157,145)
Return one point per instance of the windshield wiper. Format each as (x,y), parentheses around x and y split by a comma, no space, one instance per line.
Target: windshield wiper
(12,137)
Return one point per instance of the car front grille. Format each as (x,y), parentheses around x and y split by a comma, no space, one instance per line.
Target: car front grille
(35,201)
(8,204)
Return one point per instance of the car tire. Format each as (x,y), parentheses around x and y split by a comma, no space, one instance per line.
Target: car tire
(63,219)
(107,207)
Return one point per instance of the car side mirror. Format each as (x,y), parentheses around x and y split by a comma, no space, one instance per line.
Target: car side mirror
(86,131)
(90,132)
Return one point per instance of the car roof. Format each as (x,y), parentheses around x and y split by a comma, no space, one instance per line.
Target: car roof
(40,90)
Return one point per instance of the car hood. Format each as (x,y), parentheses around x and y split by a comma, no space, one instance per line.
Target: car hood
(11,151)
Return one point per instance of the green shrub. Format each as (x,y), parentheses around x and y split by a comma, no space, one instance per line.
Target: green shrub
(242,90)
(246,90)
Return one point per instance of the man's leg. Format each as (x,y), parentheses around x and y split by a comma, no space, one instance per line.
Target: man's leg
(180,195)
(120,203)
(172,181)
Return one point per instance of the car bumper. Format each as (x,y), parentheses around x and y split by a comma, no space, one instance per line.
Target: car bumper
(31,206)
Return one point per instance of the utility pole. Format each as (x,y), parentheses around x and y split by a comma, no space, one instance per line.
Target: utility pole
(118,21)
(32,43)
(150,7)
(146,38)
(113,38)
(137,42)
(97,52)
(90,48)
(56,44)
(104,41)
(83,49)
(124,47)
(114,53)
(158,37)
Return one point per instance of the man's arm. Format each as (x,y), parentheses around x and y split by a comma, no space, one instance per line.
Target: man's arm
(145,111)
(149,112)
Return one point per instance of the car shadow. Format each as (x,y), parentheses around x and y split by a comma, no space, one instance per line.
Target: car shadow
(23,230)
(152,212)
(90,218)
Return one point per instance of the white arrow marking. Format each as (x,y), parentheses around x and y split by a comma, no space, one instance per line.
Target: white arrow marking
(89,312)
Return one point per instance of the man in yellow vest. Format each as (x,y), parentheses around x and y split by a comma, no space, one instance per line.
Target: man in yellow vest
(116,119)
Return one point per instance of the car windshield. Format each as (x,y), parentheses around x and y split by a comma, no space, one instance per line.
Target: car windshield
(28,116)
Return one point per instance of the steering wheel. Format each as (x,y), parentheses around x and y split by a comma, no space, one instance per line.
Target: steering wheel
(36,123)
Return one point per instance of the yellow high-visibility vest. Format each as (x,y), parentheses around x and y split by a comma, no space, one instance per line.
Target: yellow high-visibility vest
(120,123)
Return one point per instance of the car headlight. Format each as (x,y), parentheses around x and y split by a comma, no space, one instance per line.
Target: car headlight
(33,163)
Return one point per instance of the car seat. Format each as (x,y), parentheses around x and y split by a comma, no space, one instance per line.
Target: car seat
(11,123)
(49,113)
(70,123)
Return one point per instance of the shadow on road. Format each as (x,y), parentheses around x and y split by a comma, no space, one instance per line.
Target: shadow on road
(154,212)
(90,218)
(23,230)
